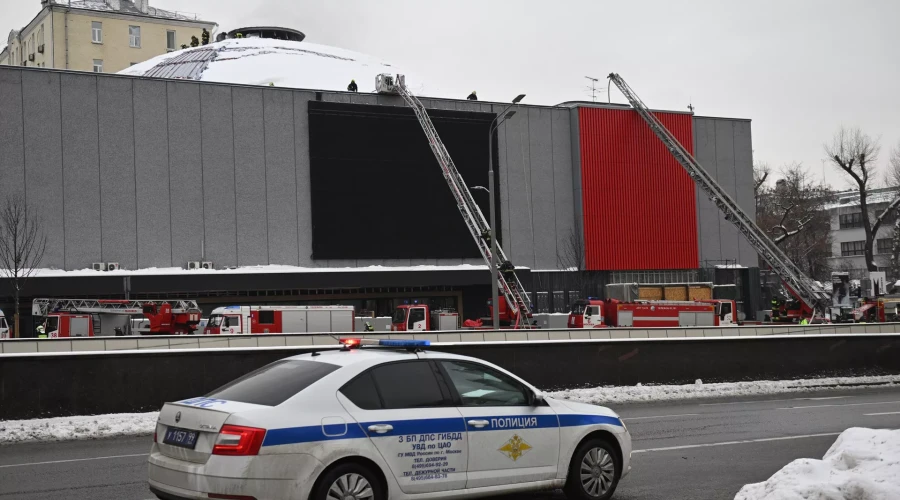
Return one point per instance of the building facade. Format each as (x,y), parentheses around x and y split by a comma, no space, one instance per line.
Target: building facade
(101,36)
(153,173)
(849,237)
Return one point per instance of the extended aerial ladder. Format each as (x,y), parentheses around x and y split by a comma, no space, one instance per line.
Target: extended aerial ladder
(814,298)
(508,282)
(165,317)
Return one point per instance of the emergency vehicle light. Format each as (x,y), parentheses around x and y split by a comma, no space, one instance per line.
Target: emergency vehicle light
(404,343)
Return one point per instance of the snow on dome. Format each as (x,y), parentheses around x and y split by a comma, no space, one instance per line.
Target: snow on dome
(265,61)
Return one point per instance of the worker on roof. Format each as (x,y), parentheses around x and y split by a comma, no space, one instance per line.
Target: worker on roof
(472,96)
(352,87)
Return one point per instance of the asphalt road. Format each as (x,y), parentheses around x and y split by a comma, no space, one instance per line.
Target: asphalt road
(685,450)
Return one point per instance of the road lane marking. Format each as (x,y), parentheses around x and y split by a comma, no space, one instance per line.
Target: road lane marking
(884,413)
(745,402)
(832,406)
(74,460)
(662,416)
(728,443)
(774,400)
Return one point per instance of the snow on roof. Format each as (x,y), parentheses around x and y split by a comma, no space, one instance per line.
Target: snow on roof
(265,61)
(125,7)
(846,199)
(272,269)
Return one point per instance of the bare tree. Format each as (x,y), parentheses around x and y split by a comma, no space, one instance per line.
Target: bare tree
(855,153)
(893,180)
(570,257)
(22,245)
(793,214)
(761,171)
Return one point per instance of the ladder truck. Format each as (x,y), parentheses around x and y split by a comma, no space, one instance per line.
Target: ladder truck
(518,304)
(95,318)
(814,299)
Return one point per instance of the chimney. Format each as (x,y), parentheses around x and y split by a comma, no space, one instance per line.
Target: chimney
(143,6)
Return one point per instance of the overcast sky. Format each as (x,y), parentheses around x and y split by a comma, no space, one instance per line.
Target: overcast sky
(798,69)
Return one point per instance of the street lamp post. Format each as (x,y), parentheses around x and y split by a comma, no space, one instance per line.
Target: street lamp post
(499,119)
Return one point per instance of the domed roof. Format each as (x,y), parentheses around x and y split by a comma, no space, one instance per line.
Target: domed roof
(265,61)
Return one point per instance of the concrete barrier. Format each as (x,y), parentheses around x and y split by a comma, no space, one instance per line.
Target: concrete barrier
(82,344)
(39,384)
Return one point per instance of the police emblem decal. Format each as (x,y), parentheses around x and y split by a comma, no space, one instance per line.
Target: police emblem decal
(515,447)
(178,417)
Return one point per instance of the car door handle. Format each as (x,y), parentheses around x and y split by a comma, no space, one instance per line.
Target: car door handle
(380,428)
(478,423)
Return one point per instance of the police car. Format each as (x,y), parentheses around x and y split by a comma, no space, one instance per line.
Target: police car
(383,423)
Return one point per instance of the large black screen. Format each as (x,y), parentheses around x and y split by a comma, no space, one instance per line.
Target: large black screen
(377,190)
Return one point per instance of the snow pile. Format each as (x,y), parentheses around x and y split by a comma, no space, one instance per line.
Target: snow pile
(69,428)
(268,269)
(863,464)
(697,390)
(285,63)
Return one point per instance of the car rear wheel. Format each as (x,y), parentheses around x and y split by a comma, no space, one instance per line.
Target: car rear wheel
(594,472)
(349,482)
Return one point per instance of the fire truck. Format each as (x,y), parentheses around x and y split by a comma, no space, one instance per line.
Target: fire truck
(420,317)
(239,320)
(95,318)
(4,327)
(593,313)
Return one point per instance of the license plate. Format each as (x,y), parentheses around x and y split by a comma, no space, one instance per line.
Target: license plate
(180,437)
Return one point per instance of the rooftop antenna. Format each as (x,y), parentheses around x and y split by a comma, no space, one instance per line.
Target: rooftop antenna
(690,105)
(593,88)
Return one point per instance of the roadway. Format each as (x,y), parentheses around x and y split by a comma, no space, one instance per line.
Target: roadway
(683,450)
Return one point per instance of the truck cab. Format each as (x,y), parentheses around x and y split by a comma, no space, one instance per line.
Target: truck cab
(587,314)
(420,317)
(4,326)
(726,310)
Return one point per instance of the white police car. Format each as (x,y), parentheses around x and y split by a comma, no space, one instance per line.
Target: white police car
(377,424)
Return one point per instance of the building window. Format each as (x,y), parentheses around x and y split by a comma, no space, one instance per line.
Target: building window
(851,221)
(41,35)
(98,65)
(134,36)
(884,245)
(170,40)
(851,248)
(96,32)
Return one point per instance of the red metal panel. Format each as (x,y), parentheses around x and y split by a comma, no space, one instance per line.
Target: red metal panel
(639,206)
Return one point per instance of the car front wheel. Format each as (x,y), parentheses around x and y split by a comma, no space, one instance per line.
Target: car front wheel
(594,472)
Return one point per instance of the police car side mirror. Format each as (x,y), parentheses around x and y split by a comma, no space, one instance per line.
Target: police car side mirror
(537,398)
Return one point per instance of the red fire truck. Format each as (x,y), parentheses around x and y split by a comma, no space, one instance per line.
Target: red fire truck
(420,317)
(594,313)
(94,318)
(238,320)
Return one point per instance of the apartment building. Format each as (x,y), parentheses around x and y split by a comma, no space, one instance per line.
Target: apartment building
(849,237)
(103,36)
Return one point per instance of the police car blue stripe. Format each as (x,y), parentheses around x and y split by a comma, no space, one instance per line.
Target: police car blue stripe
(576,420)
(313,433)
(309,434)
(511,422)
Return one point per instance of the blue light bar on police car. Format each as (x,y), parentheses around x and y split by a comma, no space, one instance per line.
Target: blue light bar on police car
(404,343)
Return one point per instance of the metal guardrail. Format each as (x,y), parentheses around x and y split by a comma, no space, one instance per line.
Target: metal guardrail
(94,344)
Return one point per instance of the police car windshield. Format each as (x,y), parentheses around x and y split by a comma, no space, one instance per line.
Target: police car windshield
(215,320)
(273,384)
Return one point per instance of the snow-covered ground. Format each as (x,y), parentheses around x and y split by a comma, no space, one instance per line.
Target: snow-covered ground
(136,424)
(69,428)
(648,393)
(862,464)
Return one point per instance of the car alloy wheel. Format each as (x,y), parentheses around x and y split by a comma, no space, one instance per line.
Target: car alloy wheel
(351,486)
(598,470)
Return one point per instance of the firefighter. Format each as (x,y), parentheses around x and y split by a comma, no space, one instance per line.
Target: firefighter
(42,330)
(472,96)
(352,87)
(804,321)
(776,305)
(486,236)
(369,327)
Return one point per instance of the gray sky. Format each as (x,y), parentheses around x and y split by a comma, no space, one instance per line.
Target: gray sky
(798,68)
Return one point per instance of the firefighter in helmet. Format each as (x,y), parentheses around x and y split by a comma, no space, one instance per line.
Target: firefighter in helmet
(776,306)
(369,327)
(352,87)
(472,96)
